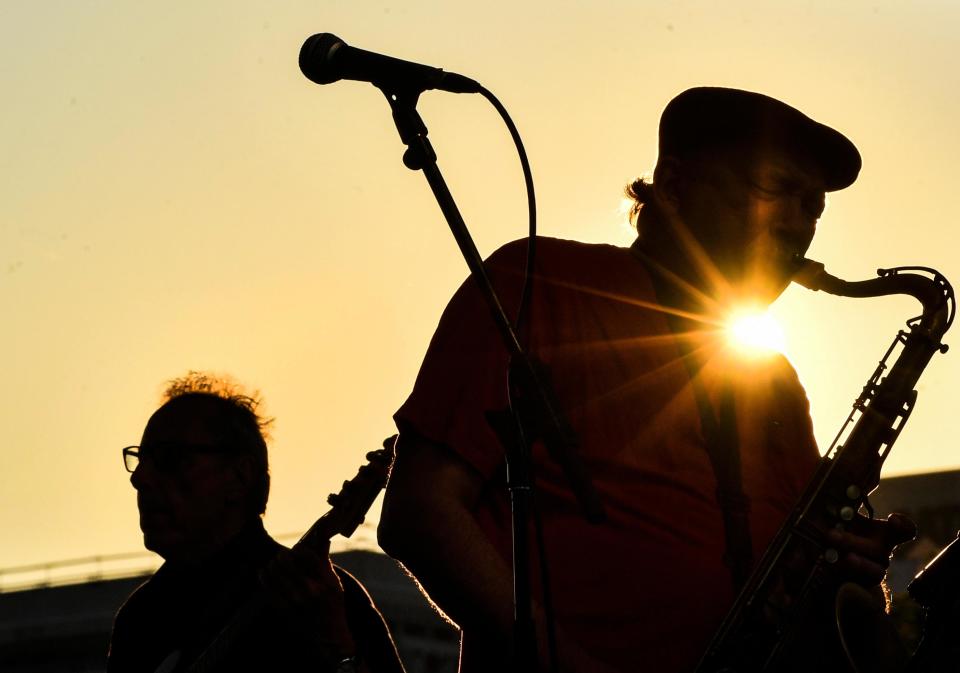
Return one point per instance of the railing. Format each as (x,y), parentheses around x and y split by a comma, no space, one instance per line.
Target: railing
(134,564)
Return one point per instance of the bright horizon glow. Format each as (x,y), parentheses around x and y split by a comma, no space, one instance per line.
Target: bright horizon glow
(756,334)
(208,207)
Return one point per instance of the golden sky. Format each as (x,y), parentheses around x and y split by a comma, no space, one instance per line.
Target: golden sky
(176,195)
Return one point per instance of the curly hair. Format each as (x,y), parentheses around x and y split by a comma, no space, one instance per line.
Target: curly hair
(237,415)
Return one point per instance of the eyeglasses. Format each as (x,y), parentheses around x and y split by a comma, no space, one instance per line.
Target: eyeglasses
(166,457)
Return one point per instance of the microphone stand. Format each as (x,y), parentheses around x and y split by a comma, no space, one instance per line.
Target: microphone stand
(535,408)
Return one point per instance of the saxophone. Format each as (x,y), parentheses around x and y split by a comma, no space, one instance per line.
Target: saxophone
(795,582)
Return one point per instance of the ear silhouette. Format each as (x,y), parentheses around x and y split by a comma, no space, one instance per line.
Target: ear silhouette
(668,184)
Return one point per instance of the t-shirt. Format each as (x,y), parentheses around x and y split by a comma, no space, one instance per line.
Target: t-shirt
(646,589)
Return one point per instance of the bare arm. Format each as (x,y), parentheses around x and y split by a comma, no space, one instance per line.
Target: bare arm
(428,523)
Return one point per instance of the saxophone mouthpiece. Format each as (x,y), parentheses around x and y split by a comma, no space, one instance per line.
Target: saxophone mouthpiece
(808,272)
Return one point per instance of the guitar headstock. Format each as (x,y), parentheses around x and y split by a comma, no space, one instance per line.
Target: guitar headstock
(349,506)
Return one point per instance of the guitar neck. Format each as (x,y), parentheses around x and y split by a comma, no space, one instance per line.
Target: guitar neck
(320,533)
(244,622)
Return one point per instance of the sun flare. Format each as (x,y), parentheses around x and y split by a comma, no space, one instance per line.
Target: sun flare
(756,334)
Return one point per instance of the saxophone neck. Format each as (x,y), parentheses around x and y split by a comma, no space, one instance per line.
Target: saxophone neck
(809,274)
(926,285)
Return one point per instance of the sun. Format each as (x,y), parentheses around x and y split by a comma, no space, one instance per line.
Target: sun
(755,334)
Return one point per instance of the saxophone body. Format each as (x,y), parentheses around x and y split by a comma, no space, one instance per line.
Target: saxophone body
(795,582)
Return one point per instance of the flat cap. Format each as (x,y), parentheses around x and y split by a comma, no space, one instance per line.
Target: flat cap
(710,117)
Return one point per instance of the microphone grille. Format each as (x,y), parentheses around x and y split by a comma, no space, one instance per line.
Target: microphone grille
(318,58)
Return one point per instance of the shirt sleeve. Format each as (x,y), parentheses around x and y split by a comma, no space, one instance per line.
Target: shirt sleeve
(464,373)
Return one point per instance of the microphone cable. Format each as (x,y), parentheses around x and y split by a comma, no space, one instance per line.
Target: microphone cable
(519,323)
(531,208)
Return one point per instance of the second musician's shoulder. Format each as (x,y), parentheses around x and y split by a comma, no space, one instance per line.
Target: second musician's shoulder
(552,252)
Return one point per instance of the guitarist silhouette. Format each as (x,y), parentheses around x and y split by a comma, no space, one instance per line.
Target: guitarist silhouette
(228,596)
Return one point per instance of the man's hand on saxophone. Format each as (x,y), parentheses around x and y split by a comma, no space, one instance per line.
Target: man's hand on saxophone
(866,545)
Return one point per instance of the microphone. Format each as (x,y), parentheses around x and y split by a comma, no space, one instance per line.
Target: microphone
(325,58)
